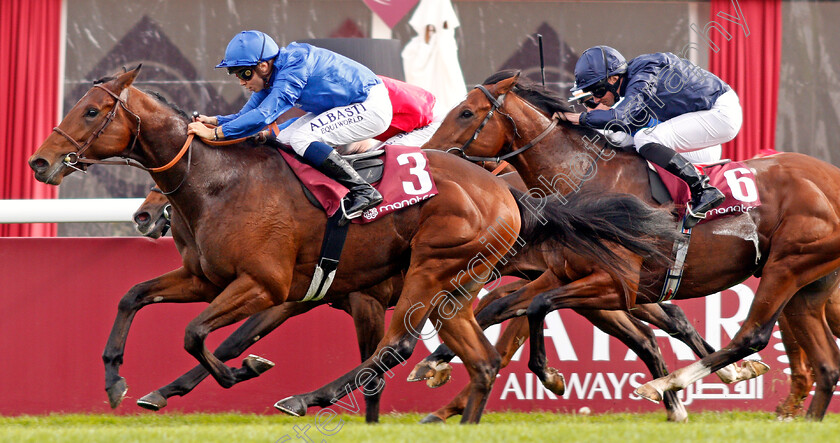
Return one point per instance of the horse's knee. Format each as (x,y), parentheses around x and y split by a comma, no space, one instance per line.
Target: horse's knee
(133,299)
(395,353)
(484,373)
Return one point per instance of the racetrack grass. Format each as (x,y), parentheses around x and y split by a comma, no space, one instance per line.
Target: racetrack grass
(495,427)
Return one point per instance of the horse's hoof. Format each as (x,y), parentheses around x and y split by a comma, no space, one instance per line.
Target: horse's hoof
(257,364)
(755,368)
(443,373)
(116,392)
(554,381)
(648,392)
(292,406)
(432,418)
(422,371)
(152,401)
(679,415)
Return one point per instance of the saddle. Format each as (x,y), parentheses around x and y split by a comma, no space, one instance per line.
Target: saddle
(370,166)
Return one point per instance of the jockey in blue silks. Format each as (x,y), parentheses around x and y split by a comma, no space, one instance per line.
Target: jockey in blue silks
(345,102)
(671,106)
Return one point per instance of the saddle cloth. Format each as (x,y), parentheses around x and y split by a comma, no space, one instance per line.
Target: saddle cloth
(406,180)
(734,179)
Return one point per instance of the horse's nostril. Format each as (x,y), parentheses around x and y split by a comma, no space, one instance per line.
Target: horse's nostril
(39,164)
(142,217)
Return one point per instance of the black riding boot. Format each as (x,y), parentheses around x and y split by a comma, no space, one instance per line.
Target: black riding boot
(703,195)
(362,195)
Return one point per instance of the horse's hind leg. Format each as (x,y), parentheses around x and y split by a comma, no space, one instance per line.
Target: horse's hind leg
(805,316)
(671,319)
(178,286)
(801,378)
(249,333)
(640,339)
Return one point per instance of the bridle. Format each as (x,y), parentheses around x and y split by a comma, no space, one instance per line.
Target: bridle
(496,104)
(74,158)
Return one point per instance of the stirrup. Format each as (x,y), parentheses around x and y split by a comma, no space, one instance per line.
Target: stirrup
(692,218)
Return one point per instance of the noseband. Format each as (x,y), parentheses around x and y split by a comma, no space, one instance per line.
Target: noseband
(496,104)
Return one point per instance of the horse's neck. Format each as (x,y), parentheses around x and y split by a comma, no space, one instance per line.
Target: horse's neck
(565,162)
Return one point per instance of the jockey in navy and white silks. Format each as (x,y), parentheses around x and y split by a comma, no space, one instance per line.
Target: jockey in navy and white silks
(673,108)
(344,100)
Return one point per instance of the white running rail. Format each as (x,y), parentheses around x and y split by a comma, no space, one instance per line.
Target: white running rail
(82,210)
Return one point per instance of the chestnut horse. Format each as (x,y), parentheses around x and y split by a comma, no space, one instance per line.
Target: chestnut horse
(242,265)
(625,326)
(367,308)
(791,240)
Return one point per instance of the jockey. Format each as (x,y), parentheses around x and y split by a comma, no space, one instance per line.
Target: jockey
(670,105)
(344,103)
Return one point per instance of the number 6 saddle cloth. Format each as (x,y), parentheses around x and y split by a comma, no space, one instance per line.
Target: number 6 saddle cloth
(405,180)
(734,179)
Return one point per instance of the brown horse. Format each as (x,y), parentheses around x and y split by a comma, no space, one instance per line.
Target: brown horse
(152,218)
(791,240)
(366,307)
(242,265)
(625,326)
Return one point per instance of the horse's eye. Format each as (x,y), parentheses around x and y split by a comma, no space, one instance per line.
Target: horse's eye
(466,113)
(92,112)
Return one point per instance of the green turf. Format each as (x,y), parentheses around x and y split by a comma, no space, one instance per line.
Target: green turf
(495,427)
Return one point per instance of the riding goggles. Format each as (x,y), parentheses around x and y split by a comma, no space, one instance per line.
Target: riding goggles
(598,90)
(245,74)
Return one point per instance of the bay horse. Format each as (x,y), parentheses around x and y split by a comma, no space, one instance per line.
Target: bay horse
(242,265)
(367,308)
(791,240)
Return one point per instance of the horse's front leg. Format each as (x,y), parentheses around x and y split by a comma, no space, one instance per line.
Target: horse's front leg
(178,286)
(249,333)
(242,298)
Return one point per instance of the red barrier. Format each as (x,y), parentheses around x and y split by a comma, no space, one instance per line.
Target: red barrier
(59,299)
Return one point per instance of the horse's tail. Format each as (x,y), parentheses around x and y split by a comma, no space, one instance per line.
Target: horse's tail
(587,223)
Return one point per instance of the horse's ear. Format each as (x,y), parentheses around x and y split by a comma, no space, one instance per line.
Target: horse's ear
(126,79)
(504,86)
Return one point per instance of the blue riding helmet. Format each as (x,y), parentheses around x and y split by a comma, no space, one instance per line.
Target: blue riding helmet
(249,48)
(596,64)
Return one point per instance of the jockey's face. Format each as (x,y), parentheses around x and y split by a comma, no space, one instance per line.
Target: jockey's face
(608,100)
(259,79)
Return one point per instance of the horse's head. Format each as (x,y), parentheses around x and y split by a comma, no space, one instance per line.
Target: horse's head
(98,126)
(153,216)
(479,114)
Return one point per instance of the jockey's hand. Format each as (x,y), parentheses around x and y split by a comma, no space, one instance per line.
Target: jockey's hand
(572,117)
(200,130)
(207,120)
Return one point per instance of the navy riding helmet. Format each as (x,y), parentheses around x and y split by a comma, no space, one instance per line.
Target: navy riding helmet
(594,66)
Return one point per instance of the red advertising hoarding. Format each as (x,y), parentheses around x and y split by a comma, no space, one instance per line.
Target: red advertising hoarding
(59,297)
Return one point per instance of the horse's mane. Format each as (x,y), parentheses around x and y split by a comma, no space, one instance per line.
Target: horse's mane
(534,93)
(166,102)
(542,98)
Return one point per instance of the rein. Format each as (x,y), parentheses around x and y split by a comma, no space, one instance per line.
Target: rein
(496,105)
(74,158)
